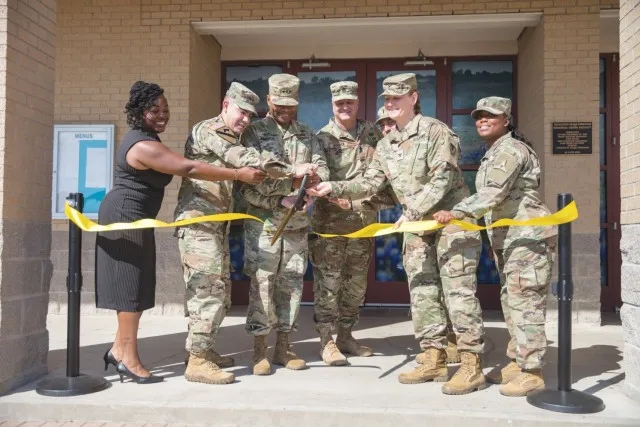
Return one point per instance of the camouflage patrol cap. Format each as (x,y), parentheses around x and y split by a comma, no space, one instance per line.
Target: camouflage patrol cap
(243,96)
(344,90)
(382,114)
(493,105)
(283,89)
(399,84)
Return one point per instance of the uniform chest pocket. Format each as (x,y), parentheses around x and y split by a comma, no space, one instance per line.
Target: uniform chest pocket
(298,151)
(417,158)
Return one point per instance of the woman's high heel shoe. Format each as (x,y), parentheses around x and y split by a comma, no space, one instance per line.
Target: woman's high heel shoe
(124,371)
(109,359)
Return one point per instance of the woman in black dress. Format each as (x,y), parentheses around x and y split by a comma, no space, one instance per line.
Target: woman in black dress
(126,260)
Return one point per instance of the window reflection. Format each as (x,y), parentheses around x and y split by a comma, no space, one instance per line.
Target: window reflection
(388,253)
(472,81)
(603,196)
(255,78)
(314,107)
(472,147)
(603,141)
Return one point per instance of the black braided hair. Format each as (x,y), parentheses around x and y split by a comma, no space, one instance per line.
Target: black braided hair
(517,133)
(142,96)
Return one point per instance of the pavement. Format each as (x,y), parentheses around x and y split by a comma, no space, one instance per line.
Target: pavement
(364,393)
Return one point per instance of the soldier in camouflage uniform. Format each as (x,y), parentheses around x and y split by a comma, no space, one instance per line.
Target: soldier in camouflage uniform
(420,161)
(340,265)
(277,271)
(204,247)
(384,122)
(507,185)
(386,126)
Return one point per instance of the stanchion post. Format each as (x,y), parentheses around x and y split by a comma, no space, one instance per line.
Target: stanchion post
(74,383)
(74,289)
(564,398)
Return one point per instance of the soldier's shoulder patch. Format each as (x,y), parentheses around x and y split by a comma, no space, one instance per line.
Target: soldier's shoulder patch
(222,130)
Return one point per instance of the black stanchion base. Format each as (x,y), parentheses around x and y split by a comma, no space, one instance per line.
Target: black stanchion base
(568,402)
(72,386)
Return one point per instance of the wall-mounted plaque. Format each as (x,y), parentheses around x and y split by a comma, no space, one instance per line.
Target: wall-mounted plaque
(572,137)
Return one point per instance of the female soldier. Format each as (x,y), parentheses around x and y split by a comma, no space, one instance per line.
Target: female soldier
(507,183)
(420,162)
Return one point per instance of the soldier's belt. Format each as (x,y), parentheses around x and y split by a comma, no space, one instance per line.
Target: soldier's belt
(567,214)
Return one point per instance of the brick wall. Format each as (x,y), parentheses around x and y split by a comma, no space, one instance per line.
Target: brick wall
(630,189)
(106,45)
(558,72)
(27,59)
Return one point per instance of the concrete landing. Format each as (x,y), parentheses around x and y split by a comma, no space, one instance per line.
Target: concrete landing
(365,393)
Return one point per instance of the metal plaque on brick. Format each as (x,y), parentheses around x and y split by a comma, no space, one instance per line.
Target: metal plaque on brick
(572,137)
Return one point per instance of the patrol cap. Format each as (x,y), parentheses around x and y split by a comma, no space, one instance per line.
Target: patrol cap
(382,114)
(399,84)
(243,96)
(493,105)
(344,90)
(283,89)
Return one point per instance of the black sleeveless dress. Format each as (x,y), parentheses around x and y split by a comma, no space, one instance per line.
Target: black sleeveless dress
(126,260)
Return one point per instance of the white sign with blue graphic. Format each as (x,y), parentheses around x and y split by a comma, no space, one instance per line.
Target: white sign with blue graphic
(82,163)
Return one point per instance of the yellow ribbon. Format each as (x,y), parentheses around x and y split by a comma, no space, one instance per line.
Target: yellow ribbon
(567,214)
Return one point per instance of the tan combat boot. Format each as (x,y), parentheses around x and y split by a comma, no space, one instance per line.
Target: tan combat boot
(469,376)
(504,375)
(283,356)
(201,369)
(261,364)
(434,369)
(346,343)
(523,384)
(331,356)
(221,361)
(453,355)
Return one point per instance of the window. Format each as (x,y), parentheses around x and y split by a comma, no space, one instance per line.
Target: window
(256,78)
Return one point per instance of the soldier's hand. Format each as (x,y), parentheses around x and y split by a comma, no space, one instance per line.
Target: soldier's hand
(305,169)
(320,190)
(289,201)
(400,221)
(343,203)
(251,175)
(312,181)
(443,217)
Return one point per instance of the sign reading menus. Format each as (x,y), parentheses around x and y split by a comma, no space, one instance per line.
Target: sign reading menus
(572,137)
(82,163)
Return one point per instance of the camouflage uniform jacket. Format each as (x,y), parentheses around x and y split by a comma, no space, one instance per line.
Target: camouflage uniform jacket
(211,141)
(421,164)
(295,145)
(507,187)
(348,158)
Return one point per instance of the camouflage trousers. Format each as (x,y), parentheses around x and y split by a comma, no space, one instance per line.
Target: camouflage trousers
(204,252)
(442,267)
(340,267)
(276,274)
(525,274)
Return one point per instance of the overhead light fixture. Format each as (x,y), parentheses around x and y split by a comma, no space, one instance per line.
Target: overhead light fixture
(420,60)
(314,63)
